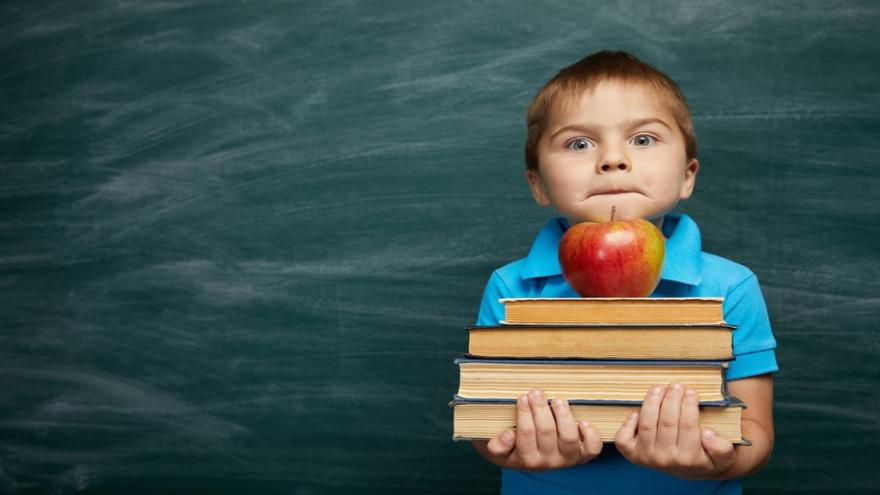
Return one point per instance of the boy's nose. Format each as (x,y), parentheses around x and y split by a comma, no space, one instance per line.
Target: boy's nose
(614,158)
(607,167)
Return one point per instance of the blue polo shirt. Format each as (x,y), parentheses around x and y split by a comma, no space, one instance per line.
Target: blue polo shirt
(687,272)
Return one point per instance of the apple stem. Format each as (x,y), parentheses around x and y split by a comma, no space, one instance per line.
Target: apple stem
(613,210)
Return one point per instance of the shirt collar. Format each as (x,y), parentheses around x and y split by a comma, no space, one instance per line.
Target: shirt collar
(681,263)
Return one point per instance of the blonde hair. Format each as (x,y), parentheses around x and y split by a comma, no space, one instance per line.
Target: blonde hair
(586,74)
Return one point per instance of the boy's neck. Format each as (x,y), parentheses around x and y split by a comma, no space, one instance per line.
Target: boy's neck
(658,222)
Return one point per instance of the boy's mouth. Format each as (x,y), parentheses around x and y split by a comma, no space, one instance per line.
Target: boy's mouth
(614,191)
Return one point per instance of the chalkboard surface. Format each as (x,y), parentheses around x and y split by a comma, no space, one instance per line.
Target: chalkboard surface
(239,241)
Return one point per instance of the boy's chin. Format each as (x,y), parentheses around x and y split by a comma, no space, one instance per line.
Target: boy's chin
(619,214)
(600,211)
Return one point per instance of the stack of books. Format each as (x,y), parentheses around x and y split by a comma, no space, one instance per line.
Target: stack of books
(603,355)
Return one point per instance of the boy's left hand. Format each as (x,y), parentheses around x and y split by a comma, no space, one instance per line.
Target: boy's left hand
(666,434)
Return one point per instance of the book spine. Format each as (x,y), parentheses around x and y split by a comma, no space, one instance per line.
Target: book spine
(720,363)
(728,401)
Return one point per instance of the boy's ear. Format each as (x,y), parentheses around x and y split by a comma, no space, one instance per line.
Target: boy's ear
(690,178)
(537,187)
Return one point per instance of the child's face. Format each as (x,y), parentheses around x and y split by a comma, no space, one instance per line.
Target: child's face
(618,145)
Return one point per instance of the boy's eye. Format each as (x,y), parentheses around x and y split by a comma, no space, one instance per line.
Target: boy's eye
(643,140)
(580,144)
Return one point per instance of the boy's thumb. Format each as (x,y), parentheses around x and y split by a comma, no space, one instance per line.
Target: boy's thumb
(502,444)
(720,450)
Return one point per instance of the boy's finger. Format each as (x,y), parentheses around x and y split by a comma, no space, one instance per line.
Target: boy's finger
(720,450)
(502,444)
(525,428)
(545,425)
(568,439)
(591,441)
(689,421)
(625,440)
(667,422)
(648,417)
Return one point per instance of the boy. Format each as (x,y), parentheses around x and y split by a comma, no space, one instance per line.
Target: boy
(608,131)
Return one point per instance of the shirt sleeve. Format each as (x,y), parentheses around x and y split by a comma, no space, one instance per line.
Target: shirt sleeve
(753,342)
(491,311)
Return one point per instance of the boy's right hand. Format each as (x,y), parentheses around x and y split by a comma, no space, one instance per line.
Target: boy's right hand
(545,438)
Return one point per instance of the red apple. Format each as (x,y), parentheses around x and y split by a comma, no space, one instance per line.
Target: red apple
(620,258)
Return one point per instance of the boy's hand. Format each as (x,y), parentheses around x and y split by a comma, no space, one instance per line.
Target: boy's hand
(545,438)
(666,435)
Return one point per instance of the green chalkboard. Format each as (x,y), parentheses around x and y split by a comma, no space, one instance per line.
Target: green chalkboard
(239,240)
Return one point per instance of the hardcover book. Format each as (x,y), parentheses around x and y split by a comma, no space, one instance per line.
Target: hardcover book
(603,341)
(483,419)
(581,310)
(624,381)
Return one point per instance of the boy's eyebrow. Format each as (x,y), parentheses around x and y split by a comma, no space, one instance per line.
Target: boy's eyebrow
(629,124)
